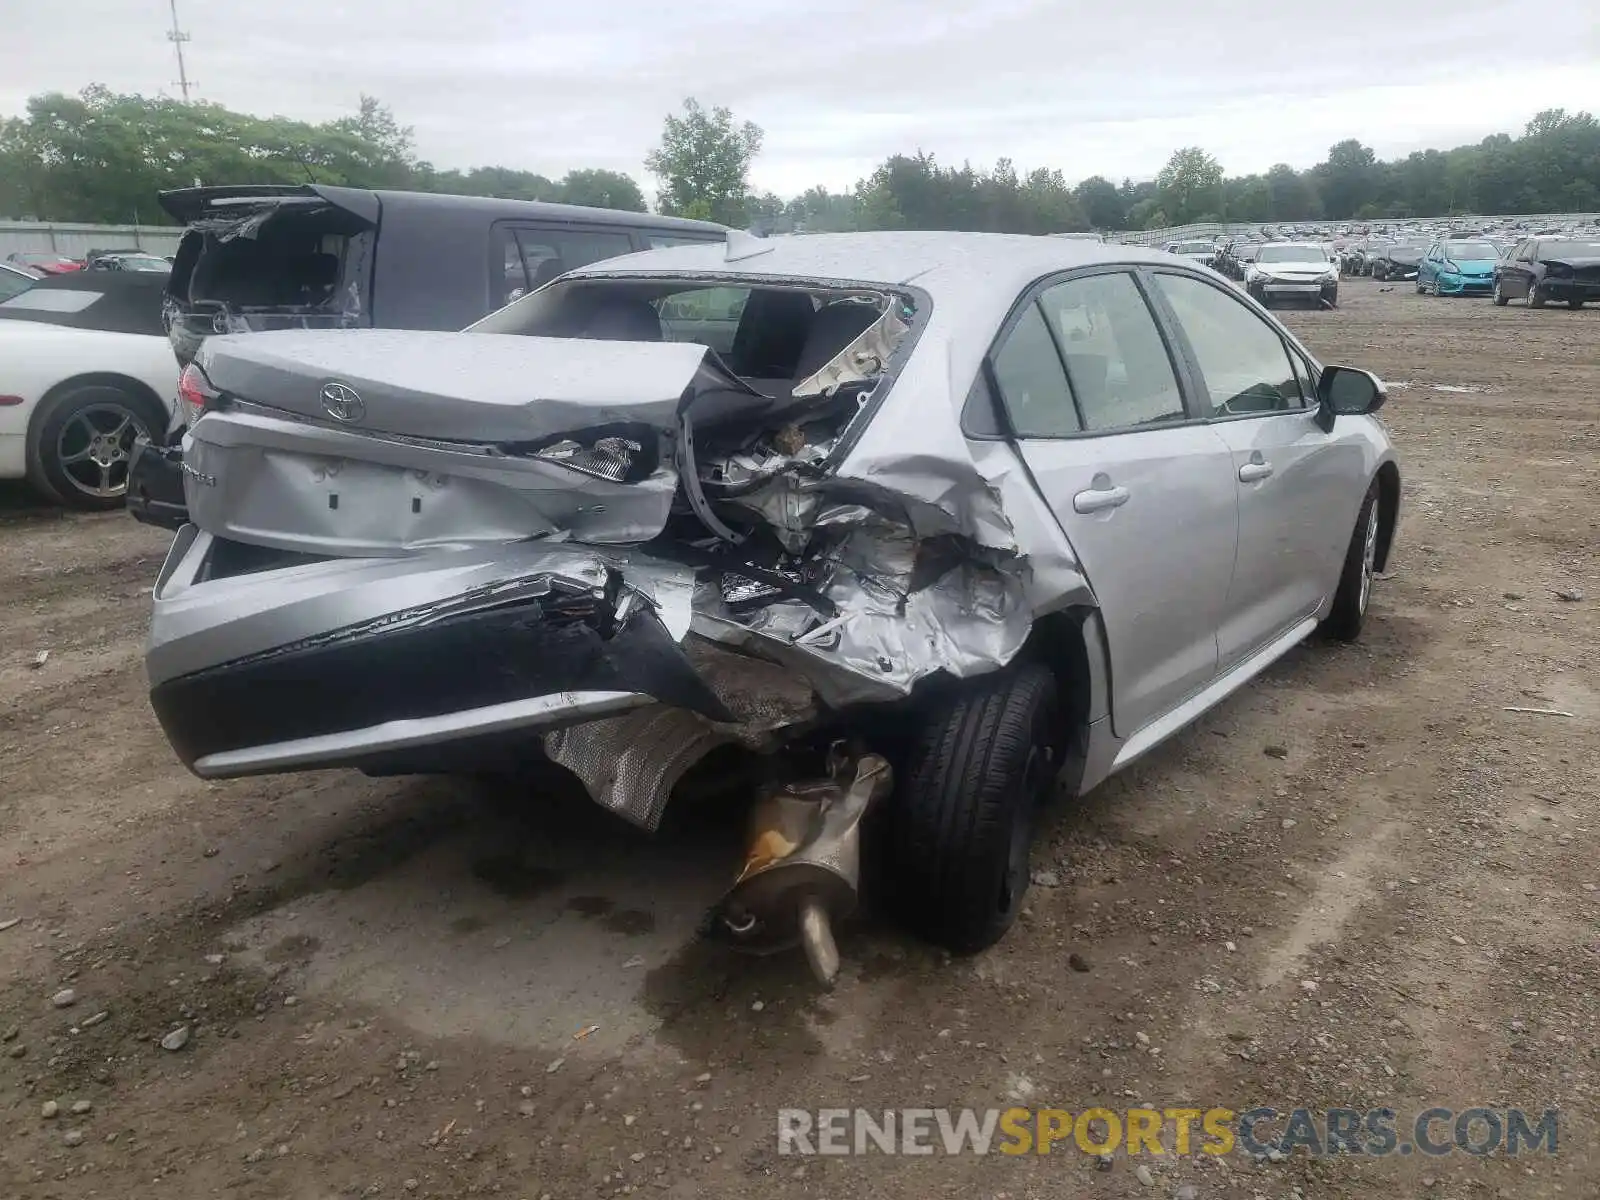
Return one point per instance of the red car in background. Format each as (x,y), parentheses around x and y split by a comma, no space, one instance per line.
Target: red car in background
(47,261)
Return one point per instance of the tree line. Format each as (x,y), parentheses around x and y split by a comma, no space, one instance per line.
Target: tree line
(101,156)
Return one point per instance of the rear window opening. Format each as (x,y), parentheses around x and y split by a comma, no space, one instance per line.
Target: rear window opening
(286,266)
(774,338)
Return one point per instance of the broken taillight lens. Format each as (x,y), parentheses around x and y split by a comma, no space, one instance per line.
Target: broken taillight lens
(195,393)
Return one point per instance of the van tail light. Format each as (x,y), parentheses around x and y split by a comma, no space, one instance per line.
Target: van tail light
(195,394)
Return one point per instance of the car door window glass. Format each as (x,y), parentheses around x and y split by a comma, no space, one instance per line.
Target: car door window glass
(1027,370)
(1245,366)
(1120,372)
(547,253)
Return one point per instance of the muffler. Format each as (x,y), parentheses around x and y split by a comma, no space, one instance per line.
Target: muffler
(802,870)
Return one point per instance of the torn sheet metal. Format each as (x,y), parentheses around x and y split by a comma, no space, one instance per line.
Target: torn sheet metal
(630,763)
(270,481)
(489,387)
(255,613)
(888,633)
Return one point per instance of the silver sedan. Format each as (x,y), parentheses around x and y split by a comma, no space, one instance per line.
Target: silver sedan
(935,522)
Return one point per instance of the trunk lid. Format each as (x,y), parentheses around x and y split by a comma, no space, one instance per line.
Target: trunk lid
(460,387)
(376,443)
(269,257)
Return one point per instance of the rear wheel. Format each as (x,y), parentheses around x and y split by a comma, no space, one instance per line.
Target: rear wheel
(962,821)
(1536,298)
(1498,296)
(1349,610)
(1574,305)
(81,439)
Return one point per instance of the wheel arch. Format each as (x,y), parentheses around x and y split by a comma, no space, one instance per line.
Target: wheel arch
(1072,643)
(128,383)
(1388,512)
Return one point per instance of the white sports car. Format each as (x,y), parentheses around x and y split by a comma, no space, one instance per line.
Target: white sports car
(85,367)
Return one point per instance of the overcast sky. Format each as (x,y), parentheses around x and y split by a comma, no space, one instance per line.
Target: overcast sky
(837,85)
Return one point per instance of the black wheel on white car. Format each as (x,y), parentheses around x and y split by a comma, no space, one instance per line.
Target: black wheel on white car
(986,757)
(1258,294)
(1575,303)
(1499,297)
(1350,598)
(80,441)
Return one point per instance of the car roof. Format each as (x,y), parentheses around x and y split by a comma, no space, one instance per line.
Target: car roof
(188,205)
(944,264)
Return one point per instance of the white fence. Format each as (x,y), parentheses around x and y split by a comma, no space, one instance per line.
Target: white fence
(76,240)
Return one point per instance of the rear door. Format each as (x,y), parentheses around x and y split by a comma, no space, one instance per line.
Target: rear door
(1144,492)
(1293,479)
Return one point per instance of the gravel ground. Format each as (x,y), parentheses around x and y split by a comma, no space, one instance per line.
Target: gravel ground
(1362,881)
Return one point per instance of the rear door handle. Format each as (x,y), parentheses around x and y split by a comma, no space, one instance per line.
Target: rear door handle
(1099,499)
(1254,472)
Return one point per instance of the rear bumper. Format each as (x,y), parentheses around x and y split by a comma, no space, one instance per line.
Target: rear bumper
(358,662)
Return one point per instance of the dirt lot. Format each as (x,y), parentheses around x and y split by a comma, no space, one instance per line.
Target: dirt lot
(1361,882)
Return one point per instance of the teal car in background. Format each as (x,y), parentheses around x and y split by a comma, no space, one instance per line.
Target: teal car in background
(1458,268)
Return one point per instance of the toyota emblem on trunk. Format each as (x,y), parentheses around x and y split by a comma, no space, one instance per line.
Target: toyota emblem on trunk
(340,401)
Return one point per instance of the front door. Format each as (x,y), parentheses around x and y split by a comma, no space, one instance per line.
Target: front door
(1293,479)
(1147,498)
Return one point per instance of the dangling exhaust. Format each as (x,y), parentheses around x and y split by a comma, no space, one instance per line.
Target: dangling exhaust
(802,870)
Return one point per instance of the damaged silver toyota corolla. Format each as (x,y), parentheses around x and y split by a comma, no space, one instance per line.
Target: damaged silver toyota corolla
(930,521)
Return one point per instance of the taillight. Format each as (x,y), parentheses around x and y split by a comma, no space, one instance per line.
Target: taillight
(195,393)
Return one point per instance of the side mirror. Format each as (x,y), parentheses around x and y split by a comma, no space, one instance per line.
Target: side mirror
(1349,392)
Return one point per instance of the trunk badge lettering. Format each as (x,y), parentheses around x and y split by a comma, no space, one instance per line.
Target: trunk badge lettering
(340,401)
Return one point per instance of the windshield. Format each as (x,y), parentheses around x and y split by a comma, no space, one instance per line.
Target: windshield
(1287,254)
(1569,249)
(1470,251)
(1193,248)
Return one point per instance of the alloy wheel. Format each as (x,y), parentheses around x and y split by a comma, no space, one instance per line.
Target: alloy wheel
(1369,556)
(94,446)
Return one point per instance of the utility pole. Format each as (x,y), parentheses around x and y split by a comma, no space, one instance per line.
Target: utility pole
(178,37)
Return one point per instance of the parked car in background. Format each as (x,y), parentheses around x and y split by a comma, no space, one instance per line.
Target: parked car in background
(124,260)
(1005,509)
(1453,267)
(266,257)
(1541,270)
(1292,271)
(1199,251)
(85,368)
(14,279)
(46,261)
(1398,261)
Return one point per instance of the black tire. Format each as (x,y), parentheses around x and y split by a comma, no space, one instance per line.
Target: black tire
(1333,298)
(1535,298)
(962,821)
(73,420)
(1499,297)
(1351,597)
(1259,295)
(1574,305)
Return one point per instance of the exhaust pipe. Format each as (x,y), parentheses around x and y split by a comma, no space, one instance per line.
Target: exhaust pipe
(802,870)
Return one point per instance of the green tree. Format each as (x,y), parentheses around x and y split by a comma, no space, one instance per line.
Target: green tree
(703,163)
(1347,178)
(1290,195)
(601,189)
(1101,203)
(1190,184)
